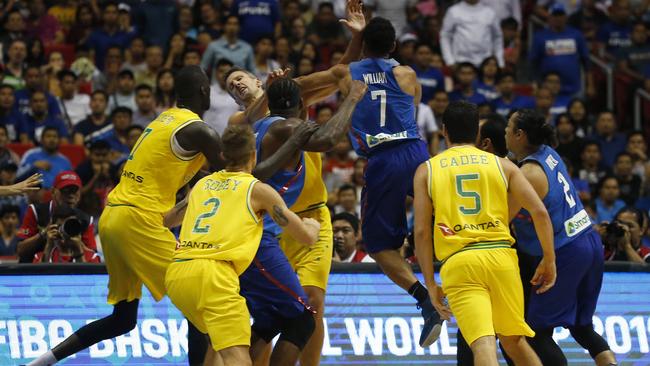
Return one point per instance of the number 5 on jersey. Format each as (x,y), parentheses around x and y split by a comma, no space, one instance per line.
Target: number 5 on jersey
(468,194)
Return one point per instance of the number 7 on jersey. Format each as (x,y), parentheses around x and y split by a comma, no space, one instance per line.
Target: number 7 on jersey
(382,101)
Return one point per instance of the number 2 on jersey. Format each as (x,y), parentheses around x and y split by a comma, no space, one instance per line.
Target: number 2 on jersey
(145,133)
(468,194)
(197,224)
(382,101)
(567,195)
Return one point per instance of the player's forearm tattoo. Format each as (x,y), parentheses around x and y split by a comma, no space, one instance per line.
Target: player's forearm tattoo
(279,217)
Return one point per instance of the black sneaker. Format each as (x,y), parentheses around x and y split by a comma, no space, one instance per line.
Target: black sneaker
(432,324)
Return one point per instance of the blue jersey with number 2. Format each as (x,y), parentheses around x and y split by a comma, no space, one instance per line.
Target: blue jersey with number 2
(568,216)
(386,113)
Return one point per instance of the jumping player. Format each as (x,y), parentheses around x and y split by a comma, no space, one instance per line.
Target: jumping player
(572,302)
(220,235)
(137,246)
(480,274)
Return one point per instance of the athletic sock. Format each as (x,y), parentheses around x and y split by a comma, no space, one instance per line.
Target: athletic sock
(419,292)
(45,359)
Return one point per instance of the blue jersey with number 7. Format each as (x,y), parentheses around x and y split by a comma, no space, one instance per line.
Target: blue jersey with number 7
(386,113)
(568,216)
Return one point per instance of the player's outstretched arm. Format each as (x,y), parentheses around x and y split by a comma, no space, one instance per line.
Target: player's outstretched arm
(526,190)
(174,217)
(332,131)
(33,183)
(265,198)
(198,136)
(290,136)
(423,214)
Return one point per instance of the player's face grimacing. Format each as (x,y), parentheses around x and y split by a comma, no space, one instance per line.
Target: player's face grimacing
(243,87)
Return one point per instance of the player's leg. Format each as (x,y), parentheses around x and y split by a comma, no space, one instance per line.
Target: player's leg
(384,227)
(311,353)
(519,350)
(196,355)
(485,351)
(587,297)
(237,355)
(546,349)
(464,356)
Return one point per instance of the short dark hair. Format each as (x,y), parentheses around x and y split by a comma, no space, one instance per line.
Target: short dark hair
(640,215)
(101,92)
(224,62)
(235,69)
(7,86)
(126,73)
(65,72)
(9,209)
(347,187)
(134,127)
(461,121)
(494,129)
(99,144)
(350,218)
(533,123)
(469,65)
(622,154)
(238,142)
(121,109)
(189,50)
(47,129)
(379,36)
(510,22)
(552,73)
(325,4)
(629,135)
(264,37)
(188,81)
(602,181)
(506,74)
(283,96)
(141,87)
(589,143)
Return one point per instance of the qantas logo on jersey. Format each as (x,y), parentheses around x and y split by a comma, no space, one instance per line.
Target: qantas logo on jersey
(195,245)
(445,230)
(132,176)
(482,226)
(375,78)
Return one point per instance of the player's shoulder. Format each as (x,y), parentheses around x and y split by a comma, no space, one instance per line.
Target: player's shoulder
(178,116)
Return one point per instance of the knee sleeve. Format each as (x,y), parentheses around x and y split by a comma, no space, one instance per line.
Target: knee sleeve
(587,337)
(123,319)
(547,350)
(298,330)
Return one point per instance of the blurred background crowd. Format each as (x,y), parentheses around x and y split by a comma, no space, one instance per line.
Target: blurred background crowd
(80,81)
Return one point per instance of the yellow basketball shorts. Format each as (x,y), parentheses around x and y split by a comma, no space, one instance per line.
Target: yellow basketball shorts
(485,294)
(206,291)
(312,264)
(137,249)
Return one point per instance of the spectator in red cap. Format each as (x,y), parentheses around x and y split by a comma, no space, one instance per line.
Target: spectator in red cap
(33,232)
(63,241)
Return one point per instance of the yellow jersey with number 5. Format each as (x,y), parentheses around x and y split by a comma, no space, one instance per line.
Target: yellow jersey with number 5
(155,170)
(219,222)
(469,193)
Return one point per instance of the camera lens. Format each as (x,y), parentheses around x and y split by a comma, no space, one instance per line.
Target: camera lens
(72,227)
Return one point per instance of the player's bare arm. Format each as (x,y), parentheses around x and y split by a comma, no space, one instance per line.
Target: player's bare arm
(174,217)
(527,193)
(408,82)
(423,214)
(202,138)
(265,198)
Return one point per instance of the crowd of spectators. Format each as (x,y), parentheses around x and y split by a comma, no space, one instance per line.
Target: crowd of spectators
(81,79)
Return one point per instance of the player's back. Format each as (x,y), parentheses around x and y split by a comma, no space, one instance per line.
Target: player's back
(568,216)
(154,170)
(469,192)
(219,222)
(386,113)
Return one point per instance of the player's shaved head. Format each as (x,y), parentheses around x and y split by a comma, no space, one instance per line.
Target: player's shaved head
(193,89)
(460,120)
(378,37)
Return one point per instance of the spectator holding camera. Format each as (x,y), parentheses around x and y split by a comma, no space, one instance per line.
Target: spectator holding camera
(63,241)
(622,237)
(66,193)
(346,232)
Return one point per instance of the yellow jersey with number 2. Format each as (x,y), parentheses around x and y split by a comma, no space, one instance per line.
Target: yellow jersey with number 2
(219,222)
(469,193)
(155,170)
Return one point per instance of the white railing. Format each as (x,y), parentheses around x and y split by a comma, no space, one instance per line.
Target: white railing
(608,69)
(638,107)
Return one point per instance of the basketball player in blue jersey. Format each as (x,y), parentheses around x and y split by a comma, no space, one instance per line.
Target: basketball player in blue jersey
(275,297)
(571,303)
(384,130)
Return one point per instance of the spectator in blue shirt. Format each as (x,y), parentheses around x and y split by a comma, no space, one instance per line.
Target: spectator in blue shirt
(257,18)
(108,35)
(45,159)
(116,134)
(608,202)
(34,82)
(39,119)
(635,60)
(10,118)
(561,49)
(465,77)
(614,34)
(230,47)
(553,82)
(156,20)
(428,76)
(610,141)
(509,101)
(487,78)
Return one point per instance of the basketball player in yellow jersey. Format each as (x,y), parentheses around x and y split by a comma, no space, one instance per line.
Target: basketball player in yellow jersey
(220,235)
(137,247)
(466,190)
